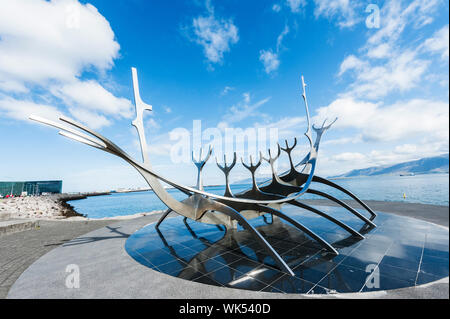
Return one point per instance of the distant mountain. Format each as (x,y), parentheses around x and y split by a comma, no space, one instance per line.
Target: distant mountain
(428,165)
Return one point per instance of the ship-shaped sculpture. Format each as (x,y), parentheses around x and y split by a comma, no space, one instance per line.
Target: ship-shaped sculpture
(231,209)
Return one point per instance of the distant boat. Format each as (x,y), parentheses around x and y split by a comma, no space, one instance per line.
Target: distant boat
(407,174)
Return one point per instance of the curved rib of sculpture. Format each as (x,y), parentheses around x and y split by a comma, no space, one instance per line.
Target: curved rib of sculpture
(298,178)
(278,186)
(255,191)
(201,205)
(325,181)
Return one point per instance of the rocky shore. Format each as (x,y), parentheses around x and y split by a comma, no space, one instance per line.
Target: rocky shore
(39,207)
(51,207)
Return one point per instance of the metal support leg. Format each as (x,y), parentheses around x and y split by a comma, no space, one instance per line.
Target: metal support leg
(330,218)
(167,212)
(322,180)
(350,209)
(319,239)
(269,249)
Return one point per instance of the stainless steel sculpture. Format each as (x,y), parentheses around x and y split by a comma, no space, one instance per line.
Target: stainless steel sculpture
(229,209)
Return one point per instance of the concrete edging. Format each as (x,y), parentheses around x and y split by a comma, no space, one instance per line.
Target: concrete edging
(13,226)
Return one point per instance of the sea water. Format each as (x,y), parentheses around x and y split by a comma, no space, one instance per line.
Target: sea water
(426,189)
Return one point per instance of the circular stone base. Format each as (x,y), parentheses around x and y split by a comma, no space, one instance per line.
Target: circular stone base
(401,252)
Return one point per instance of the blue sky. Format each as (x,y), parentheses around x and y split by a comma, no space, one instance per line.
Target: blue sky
(228,64)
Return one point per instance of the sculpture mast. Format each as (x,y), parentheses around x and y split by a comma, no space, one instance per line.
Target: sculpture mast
(139,121)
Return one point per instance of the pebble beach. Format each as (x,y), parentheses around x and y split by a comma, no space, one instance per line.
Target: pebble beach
(38,207)
(51,207)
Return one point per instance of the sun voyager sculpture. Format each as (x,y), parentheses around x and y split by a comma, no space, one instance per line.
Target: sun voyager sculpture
(231,209)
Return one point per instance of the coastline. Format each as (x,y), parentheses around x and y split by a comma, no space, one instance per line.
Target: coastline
(39,207)
(114,218)
(55,207)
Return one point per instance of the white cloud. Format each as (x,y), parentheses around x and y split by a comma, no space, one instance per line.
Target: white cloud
(296,5)
(37,45)
(351,63)
(343,140)
(348,157)
(226,89)
(410,119)
(402,72)
(246,97)
(9,85)
(350,113)
(92,119)
(396,17)
(22,109)
(276,7)
(152,124)
(92,96)
(406,149)
(215,35)
(387,64)
(287,127)
(46,46)
(160,149)
(345,11)
(158,144)
(241,111)
(439,43)
(380,51)
(405,152)
(167,109)
(281,37)
(271,59)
